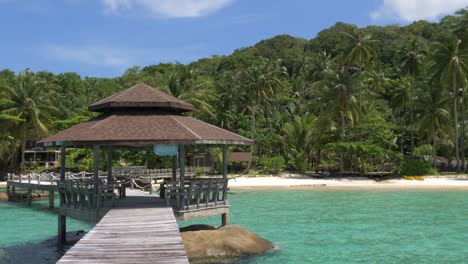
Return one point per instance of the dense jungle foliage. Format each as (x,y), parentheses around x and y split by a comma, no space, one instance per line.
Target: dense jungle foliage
(350,99)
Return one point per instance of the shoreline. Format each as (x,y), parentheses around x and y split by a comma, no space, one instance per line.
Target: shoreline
(308,183)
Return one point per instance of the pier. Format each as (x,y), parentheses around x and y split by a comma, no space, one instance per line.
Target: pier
(133,227)
(139,229)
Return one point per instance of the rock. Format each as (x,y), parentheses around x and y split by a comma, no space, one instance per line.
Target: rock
(3,197)
(225,242)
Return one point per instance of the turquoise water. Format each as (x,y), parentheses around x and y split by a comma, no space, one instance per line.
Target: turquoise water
(356,226)
(20,223)
(309,226)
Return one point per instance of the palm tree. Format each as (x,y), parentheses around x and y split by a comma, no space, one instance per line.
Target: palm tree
(261,82)
(399,99)
(361,53)
(228,91)
(433,117)
(28,100)
(185,84)
(450,66)
(377,80)
(297,139)
(412,57)
(341,102)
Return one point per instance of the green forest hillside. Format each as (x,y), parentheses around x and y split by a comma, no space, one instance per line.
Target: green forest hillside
(350,99)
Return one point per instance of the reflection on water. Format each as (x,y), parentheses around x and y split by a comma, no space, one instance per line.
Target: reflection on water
(44,252)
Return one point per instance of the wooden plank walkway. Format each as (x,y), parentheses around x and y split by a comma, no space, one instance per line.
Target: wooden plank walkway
(139,229)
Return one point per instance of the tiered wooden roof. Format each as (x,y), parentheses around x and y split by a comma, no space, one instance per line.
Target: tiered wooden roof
(141,96)
(142,115)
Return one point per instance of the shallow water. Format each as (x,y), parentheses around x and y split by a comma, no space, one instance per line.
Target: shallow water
(356,226)
(309,226)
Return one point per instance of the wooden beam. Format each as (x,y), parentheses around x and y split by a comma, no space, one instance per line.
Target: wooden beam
(182,175)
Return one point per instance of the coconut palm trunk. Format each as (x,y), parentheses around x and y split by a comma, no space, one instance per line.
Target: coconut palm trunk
(342,135)
(434,150)
(249,164)
(455,122)
(23,150)
(412,115)
(462,141)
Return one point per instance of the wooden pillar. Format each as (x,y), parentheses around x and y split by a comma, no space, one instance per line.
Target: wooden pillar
(225,216)
(62,162)
(62,230)
(182,176)
(96,173)
(109,166)
(51,198)
(8,188)
(29,196)
(62,220)
(225,162)
(174,167)
(12,196)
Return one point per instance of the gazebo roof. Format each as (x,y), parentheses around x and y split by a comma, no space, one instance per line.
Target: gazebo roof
(141,96)
(138,116)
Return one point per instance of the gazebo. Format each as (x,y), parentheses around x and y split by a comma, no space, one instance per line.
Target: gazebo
(142,116)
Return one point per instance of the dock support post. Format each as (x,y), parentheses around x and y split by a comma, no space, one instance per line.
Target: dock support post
(29,196)
(51,198)
(62,220)
(62,230)
(8,190)
(225,219)
(12,196)
(182,177)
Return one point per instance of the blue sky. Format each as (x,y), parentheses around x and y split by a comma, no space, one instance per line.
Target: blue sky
(105,37)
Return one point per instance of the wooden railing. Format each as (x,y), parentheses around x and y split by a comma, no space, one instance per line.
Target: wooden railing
(80,194)
(50,178)
(197,194)
(143,172)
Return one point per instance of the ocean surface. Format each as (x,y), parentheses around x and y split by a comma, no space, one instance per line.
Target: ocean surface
(308,226)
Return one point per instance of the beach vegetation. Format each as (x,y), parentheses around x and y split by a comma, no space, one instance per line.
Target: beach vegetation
(273,165)
(416,167)
(350,99)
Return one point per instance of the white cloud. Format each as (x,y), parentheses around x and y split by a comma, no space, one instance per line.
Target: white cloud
(167,8)
(90,55)
(411,10)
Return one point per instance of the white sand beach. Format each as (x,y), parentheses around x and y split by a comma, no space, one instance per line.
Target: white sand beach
(292,181)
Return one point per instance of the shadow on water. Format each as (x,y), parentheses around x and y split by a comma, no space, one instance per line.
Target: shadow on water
(44,252)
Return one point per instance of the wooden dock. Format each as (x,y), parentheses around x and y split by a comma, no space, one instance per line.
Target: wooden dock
(139,229)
